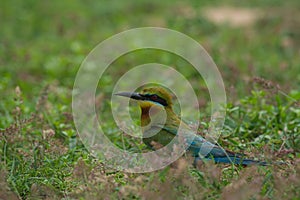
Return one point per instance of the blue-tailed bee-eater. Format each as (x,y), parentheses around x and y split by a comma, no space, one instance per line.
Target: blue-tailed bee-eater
(152,100)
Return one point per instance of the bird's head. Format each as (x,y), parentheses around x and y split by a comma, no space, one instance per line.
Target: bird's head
(150,96)
(155,103)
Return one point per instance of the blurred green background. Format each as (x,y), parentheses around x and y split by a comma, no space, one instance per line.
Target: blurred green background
(44,42)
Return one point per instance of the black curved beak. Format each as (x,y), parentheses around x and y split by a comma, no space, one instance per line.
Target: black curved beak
(132,95)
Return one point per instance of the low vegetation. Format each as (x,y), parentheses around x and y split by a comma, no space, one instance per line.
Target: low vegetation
(42,45)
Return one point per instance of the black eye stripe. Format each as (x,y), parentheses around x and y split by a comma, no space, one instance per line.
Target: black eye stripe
(155,98)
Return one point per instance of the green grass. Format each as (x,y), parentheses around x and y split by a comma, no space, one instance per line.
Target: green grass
(42,45)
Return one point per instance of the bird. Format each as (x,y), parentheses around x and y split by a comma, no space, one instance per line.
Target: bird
(160,125)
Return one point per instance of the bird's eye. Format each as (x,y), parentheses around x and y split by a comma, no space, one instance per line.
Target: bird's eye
(154,97)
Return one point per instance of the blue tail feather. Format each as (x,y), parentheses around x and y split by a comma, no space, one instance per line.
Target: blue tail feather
(238,161)
(233,160)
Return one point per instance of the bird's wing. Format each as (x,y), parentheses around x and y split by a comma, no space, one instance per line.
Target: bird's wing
(201,147)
